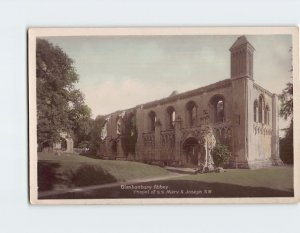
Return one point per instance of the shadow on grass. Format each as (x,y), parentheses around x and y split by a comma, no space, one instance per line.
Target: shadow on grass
(47,175)
(52,175)
(181,189)
(89,175)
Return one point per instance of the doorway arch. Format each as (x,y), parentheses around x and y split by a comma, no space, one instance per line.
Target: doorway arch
(192,152)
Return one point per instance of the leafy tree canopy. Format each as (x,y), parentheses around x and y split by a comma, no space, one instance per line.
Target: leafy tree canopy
(286,98)
(95,134)
(60,106)
(286,111)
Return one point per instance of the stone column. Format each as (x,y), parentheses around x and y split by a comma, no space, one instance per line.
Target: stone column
(275,132)
(108,143)
(263,114)
(206,154)
(120,151)
(157,139)
(256,113)
(139,147)
(178,137)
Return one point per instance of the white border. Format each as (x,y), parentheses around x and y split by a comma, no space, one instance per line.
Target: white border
(33,33)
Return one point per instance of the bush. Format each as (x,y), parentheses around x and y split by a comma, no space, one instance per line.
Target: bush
(221,155)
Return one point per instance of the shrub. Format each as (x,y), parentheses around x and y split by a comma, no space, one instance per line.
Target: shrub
(221,155)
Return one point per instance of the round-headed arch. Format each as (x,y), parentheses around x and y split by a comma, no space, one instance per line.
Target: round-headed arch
(191,108)
(152,120)
(171,116)
(217,104)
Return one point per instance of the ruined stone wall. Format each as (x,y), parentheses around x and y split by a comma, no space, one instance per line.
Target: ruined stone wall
(250,142)
(165,144)
(226,107)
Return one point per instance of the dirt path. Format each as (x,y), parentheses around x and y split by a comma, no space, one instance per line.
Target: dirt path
(110,185)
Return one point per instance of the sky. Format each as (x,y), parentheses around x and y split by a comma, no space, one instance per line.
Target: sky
(121,72)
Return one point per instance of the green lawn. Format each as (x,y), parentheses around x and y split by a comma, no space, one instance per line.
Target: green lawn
(76,170)
(280,178)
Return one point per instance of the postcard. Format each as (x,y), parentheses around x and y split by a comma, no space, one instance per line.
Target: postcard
(163,115)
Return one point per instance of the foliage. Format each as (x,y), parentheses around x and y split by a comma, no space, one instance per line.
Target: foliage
(286,98)
(286,146)
(286,111)
(83,144)
(60,107)
(221,155)
(95,135)
(80,118)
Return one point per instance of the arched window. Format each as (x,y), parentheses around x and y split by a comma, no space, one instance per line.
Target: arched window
(261,107)
(191,113)
(132,127)
(220,111)
(267,115)
(255,111)
(152,121)
(104,131)
(130,133)
(171,115)
(218,105)
(119,123)
(130,124)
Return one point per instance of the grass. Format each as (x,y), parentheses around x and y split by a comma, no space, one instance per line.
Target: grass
(76,170)
(279,178)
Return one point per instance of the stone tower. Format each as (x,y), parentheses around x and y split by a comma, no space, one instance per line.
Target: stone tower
(242,58)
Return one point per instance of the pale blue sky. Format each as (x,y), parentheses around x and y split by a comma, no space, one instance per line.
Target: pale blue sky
(121,72)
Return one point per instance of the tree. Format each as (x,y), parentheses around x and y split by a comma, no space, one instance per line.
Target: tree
(286,98)
(80,122)
(286,111)
(95,135)
(60,107)
(286,146)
